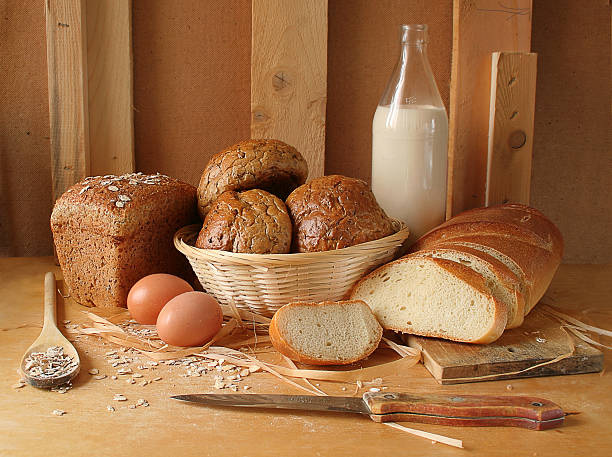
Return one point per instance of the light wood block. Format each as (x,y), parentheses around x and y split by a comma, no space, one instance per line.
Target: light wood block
(67,81)
(109,65)
(511,116)
(480,27)
(289,75)
(540,339)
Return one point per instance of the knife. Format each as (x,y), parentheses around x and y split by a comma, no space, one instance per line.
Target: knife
(463,410)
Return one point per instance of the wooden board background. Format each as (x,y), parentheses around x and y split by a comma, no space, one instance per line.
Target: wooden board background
(192,97)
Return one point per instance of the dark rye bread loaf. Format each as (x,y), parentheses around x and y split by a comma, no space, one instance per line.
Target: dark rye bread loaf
(110,231)
(270,165)
(334,212)
(253,221)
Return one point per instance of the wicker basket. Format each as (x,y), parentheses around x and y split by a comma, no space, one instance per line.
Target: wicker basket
(264,282)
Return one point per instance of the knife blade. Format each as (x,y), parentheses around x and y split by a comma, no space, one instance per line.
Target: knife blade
(457,410)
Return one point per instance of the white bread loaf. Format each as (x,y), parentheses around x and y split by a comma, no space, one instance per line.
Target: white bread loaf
(327,333)
(433,297)
(504,285)
(512,252)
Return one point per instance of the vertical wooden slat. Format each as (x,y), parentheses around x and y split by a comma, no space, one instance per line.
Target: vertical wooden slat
(480,27)
(289,75)
(109,65)
(67,81)
(513,87)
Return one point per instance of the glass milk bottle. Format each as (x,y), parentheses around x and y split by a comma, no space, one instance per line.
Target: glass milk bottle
(409,140)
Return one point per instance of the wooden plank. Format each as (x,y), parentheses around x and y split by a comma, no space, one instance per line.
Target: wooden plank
(480,27)
(511,116)
(109,65)
(540,339)
(67,81)
(289,75)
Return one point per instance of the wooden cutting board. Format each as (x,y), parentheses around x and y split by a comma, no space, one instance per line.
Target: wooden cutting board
(540,339)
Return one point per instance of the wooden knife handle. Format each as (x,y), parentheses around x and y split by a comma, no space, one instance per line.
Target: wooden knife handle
(465,410)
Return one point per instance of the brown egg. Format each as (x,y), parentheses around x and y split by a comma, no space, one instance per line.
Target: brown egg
(150,294)
(190,319)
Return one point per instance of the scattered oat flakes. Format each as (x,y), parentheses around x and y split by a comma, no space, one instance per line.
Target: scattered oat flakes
(130,381)
(110,408)
(124,371)
(124,198)
(540,340)
(132,406)
(136,375)
(113,377)
(344,388)
(94,371)
(119,204)
(144,383)
(157,379)
(246,387)
(100,376)
(113,188)
(154,364)
(509,387)
(119,397)
(58,412)
(374,389)
(19,385)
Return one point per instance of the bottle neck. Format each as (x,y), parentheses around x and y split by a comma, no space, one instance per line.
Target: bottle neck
(412,81)
(414,35)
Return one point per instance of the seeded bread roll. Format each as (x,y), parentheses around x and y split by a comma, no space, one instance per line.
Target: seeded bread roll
(271,165)
(110,231)
(327,333)
(334,212)
(253,221)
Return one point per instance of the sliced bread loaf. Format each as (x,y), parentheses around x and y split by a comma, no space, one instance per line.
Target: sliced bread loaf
(433,297)
(537,265)
(499,279)
(327,333)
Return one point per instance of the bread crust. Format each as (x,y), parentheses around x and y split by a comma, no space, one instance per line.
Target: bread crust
(334,212)
(110,231)
(285,348)
(270,165)
(513,220)
(253,221)
(463,273)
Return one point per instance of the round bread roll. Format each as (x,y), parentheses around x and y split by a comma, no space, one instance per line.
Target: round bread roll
(253,221)
(334,212)
(270,165)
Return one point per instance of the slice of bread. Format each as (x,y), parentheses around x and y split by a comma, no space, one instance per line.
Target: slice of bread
(504,284)
(327,333)
(433,297)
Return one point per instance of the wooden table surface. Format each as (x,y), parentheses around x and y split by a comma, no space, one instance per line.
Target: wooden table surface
(28,427)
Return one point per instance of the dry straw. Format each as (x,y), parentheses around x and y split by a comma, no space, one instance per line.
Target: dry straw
(265,282)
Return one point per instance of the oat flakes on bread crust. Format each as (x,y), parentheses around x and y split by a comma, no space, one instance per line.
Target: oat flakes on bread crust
(266,164)
(334,212)
(253,221)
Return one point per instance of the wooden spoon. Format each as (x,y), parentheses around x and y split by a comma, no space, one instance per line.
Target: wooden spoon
(50,336)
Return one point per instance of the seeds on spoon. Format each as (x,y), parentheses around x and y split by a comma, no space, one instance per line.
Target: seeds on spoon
(52,363)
